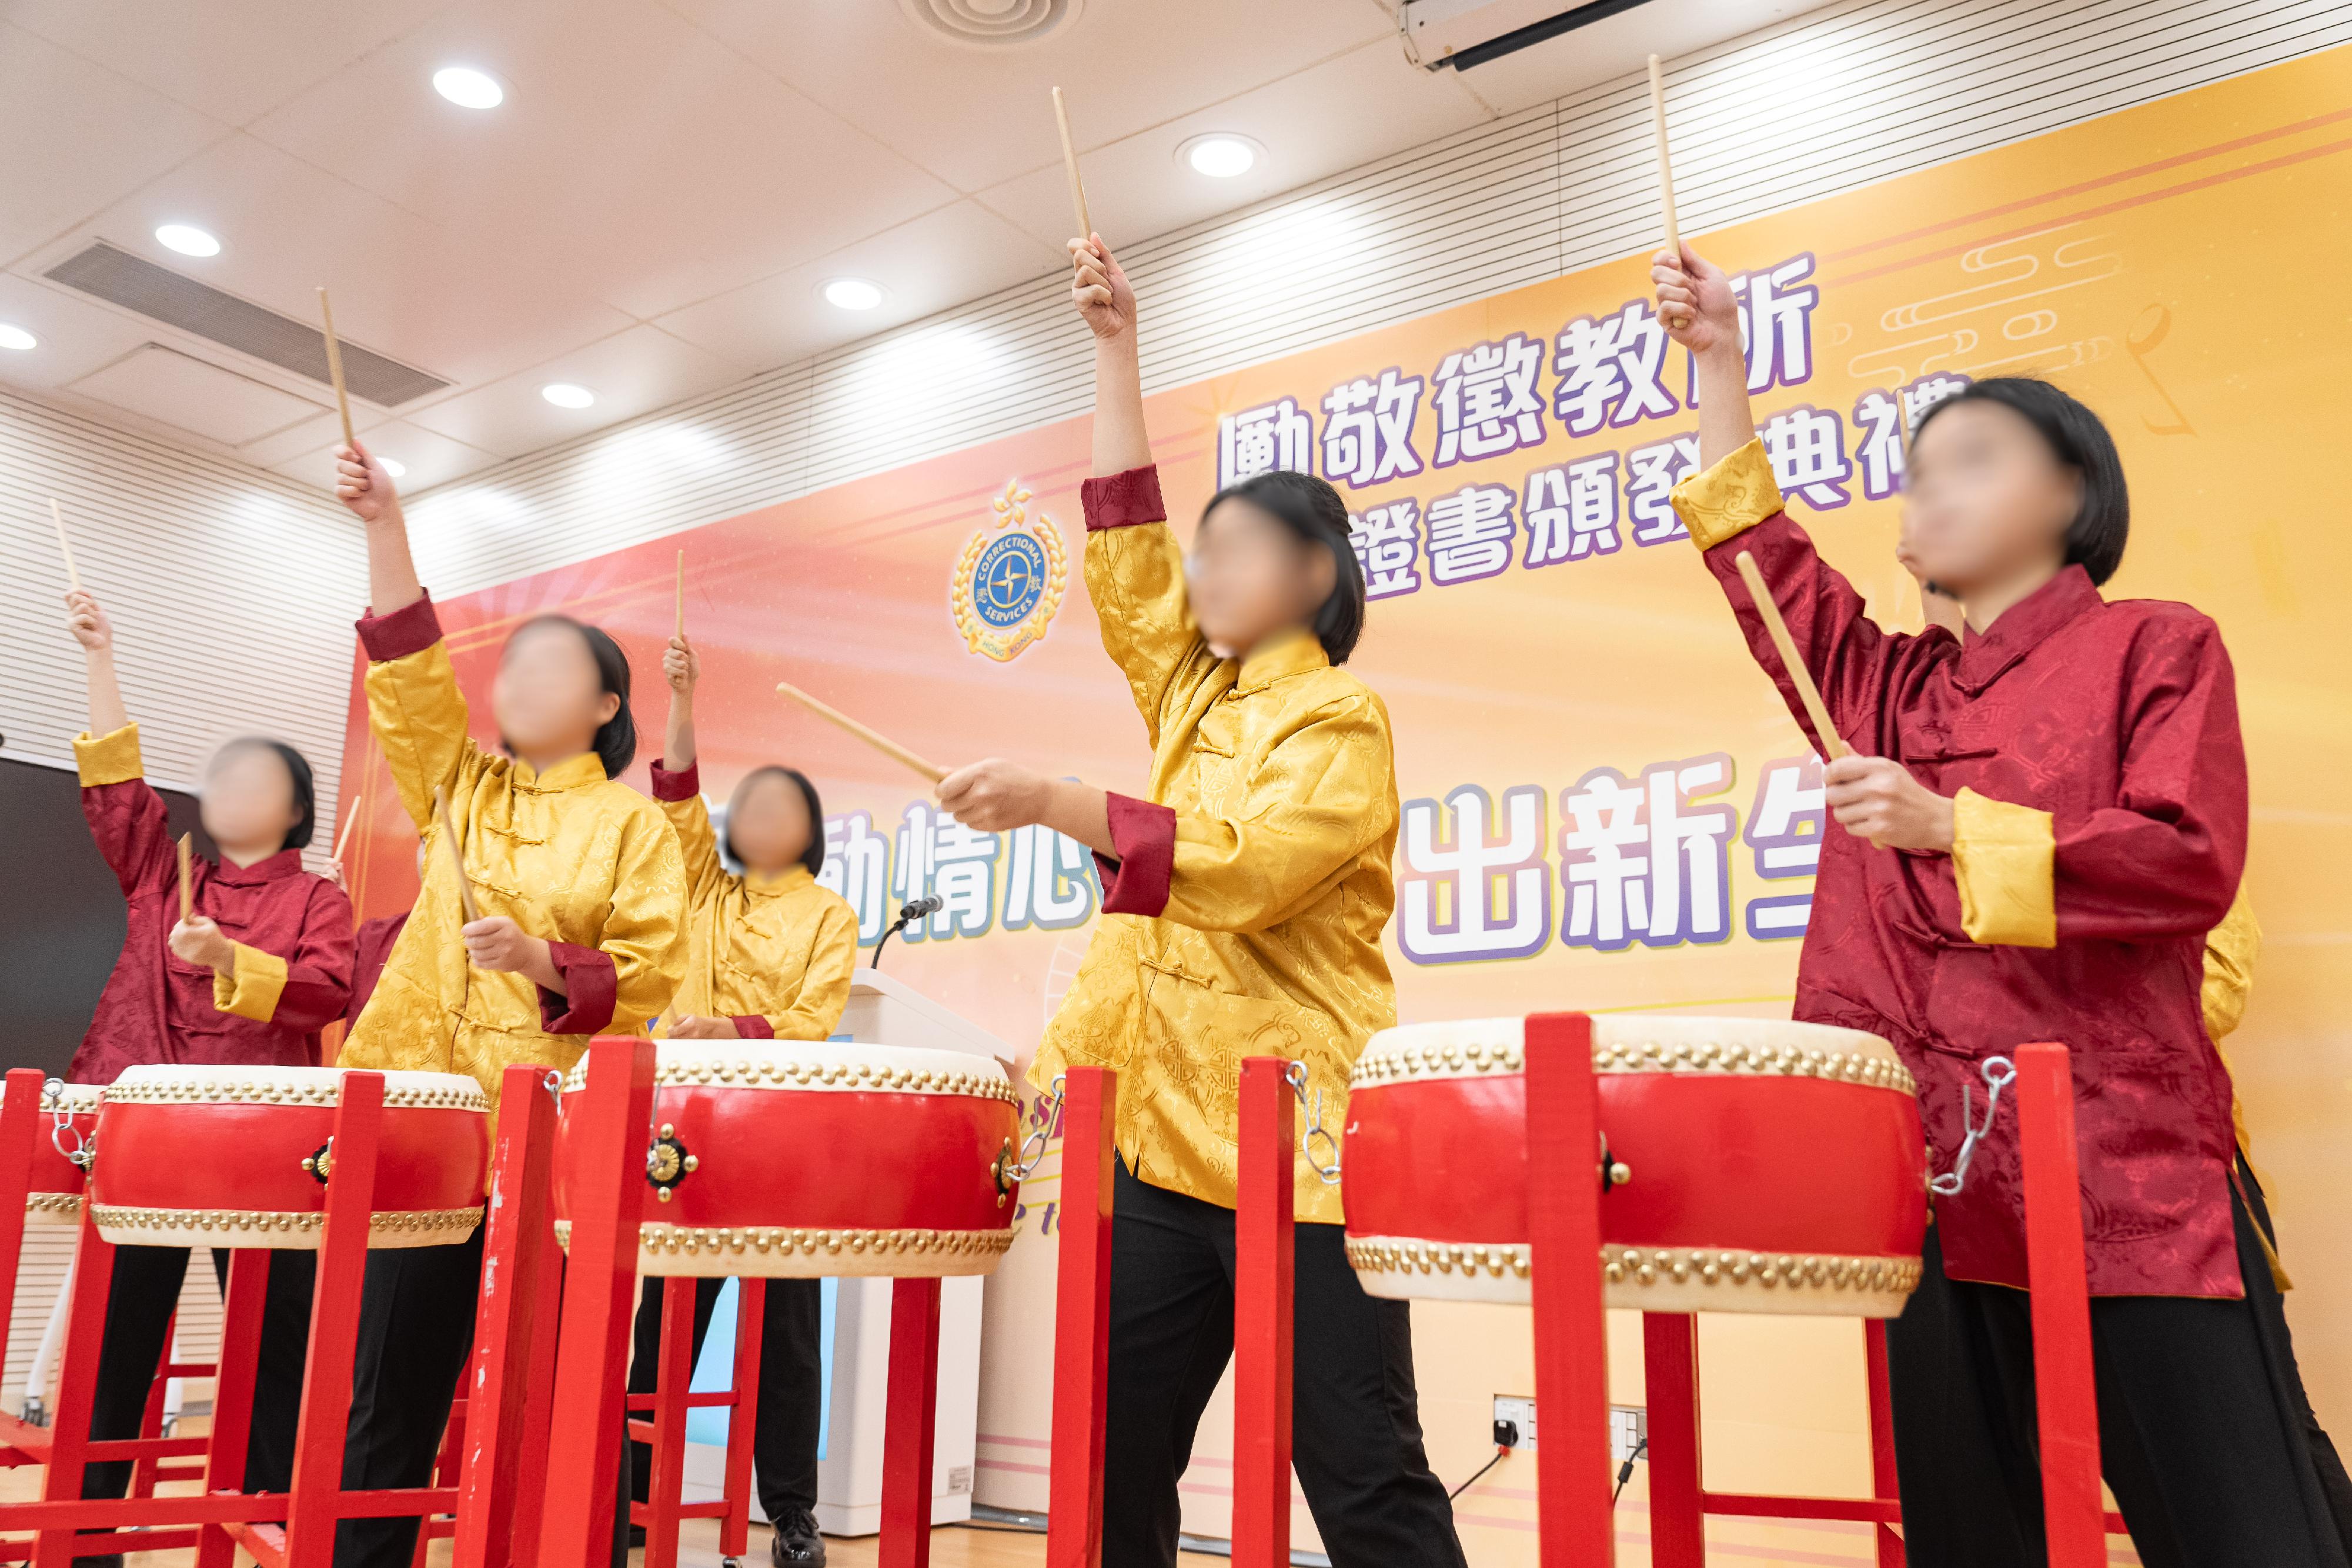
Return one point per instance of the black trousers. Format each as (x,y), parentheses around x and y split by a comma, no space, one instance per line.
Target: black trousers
(2204,1436)
(416,1329)
(141,1297)
(791,1391)
(1355,1420)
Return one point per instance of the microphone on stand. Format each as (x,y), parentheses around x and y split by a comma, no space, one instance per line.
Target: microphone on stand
(930,904)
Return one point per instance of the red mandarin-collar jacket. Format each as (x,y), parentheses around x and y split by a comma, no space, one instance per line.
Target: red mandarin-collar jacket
(293,932)
(2101,830)
(370,949)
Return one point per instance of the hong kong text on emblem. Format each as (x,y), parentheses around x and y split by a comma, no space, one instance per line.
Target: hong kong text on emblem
(1010,580)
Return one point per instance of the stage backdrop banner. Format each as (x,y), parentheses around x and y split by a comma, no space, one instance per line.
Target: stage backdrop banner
(1605,806)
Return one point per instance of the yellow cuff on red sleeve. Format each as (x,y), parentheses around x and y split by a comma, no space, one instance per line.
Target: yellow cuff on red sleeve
(1718,503)
(2005,858)
(110,758)
(250,988)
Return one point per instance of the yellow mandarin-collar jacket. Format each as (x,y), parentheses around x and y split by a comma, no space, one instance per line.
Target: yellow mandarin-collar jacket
(568,856)
(1242,917)
(773,953)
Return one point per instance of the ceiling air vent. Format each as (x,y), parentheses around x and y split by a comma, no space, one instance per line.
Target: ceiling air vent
(991,24)
(161,295)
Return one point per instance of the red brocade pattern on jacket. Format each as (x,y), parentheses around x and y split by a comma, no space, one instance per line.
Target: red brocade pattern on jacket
(156,1006)
(2121,721)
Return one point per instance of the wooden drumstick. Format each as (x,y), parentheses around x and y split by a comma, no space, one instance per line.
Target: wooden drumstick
(1833,745)
(457,853)
(681,593)
(1070,163)
(343,839)
(57,516)
(1666,162)
(187,882)
(882,744)
(335,370)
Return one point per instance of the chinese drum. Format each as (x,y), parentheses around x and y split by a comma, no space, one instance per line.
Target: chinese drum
(1749,1165)
(806,1159)
(241,1156)
(68,1119)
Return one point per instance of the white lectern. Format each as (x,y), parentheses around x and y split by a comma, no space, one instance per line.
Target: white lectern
(886,1010)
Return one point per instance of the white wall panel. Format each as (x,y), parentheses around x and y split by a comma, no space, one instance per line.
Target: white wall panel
(1834,100)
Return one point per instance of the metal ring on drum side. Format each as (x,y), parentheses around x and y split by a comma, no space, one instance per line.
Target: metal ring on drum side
(68,1122)
(195,1155)
(815,1159)
(1765,1166)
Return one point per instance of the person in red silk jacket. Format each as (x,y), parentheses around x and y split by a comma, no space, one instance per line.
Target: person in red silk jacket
(258,969)
(2043,819)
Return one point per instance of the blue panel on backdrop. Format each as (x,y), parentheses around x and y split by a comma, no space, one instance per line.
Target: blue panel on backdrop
(715,1372)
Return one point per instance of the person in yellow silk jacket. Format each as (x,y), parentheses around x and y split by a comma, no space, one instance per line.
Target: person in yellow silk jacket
(770,954)
(581,893)
(1242,907)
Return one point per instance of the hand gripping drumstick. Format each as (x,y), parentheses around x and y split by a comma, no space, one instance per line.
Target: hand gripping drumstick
(887,747)
(1666,162)
(335,371)
(187,884)
(1833,745)
(57,516)
(1070,162)
(457,854)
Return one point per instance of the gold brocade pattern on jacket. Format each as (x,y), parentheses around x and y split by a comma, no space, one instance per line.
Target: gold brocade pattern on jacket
(1281,772)
(783,948)
(568,856)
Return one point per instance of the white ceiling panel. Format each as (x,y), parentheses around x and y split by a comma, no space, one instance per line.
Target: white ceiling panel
(429,456)
(77,334)
(630,372)
(941,259)
(188,393)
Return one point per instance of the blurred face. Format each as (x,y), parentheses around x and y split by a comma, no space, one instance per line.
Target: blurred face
(547,698)
(768,822)
(1249,577)
(248,800)
(1986,500)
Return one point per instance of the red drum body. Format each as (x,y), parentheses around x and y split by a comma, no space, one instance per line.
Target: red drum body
(228,1156)
(53,1196)
(1759,1166)
(806,1159)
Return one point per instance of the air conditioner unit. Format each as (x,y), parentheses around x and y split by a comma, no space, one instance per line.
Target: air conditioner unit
(1460,34)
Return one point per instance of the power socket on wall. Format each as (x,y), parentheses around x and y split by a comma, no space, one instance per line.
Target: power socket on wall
(1629,1425)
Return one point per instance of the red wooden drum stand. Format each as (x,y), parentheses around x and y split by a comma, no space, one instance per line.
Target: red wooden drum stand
(664,1427)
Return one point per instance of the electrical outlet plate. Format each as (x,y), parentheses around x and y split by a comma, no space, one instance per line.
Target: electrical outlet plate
(1629,1427)
(1511,1407)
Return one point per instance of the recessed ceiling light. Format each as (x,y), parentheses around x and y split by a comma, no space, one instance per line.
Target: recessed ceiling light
(187,240)
(393,466)
(564,394)
(467,88)
(14,336)
(1220,156)
(852,294)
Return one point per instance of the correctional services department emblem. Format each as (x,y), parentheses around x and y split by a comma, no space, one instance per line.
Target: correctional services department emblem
(1010,580)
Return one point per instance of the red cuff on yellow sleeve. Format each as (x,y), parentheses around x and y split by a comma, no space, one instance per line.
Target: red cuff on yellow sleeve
(1145,836)
(684,786)
(752,1026)
(411,629)
(1123,500)
(591,986)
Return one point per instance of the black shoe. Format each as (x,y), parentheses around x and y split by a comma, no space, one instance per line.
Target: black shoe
(797,1543)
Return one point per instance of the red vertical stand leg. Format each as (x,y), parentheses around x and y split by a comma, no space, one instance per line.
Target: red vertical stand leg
(93,1281)
(1670,1376)
(233,1377)
(1262,1314)
(2074,1516)
(743,1417)
(518,1250)
(907,1432)
(317,1492)
(539,1412)
(21,1122)
(1572,1343)
(607,1199)
(673,1376)
(1884,1484)
(1081,1320)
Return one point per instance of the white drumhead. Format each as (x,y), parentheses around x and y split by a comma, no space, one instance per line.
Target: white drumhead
(169,1083)
(820,1065)
(1637,1043)
(73,1099)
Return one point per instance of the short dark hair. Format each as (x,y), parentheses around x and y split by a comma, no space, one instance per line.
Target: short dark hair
(616,740)
(1310,509)
(2077,437)
(298,775)
(812,857)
